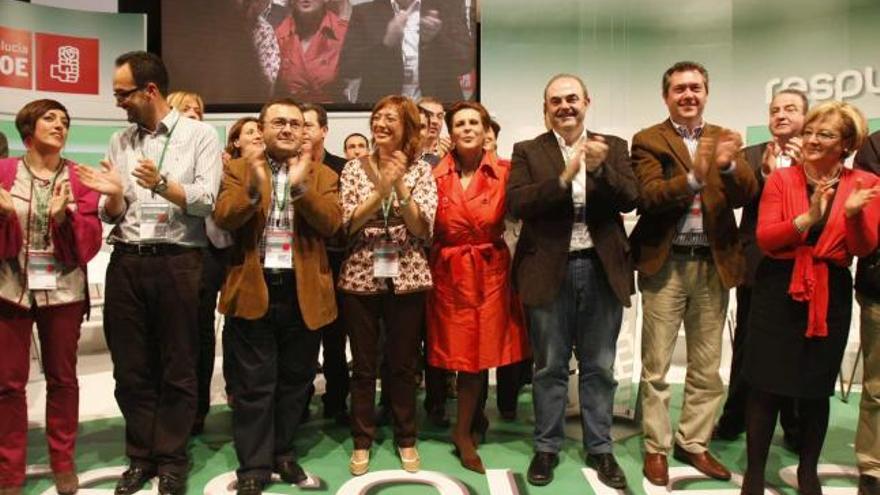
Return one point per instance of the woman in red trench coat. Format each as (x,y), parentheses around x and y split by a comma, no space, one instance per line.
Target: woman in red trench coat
(475,321)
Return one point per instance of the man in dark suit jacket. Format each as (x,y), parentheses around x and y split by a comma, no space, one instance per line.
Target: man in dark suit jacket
(685,244)
(573,271)
(374,49)
(868,295)
(787,111)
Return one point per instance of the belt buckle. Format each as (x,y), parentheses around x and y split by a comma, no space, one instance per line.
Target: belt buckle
(147,249)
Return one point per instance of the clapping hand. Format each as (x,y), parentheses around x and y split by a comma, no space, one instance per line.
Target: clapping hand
(819,201)
(146,173)
(429,25)
(255,157)
(859,197)
(298,167)
(7,207)
(391,173)
(727,146)
(105,181)
(595,151)
(61,197)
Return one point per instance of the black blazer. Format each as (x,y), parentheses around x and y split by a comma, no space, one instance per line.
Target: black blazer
(749,222)
(868,159)
(441,60)
(535,196)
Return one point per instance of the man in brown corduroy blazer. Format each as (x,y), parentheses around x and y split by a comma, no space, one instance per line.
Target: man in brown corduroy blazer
(691,177)
(280,206)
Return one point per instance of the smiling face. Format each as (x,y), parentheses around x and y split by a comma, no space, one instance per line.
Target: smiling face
(686,97)
(467,132)
(50,131)
(129,97)
(565,105)
(386,124)
(250,136)
(283,131)
(824,141)
(787,114)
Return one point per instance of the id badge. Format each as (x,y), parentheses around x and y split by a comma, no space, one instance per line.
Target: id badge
(279,249)
(154,221)
(386,260)
(42,271)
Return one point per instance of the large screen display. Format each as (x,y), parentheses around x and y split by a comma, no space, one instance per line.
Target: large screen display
(341,53)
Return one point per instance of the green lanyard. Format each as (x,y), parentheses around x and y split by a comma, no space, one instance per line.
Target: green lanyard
(386,211)
(283,204)
(165,148)
(42,197)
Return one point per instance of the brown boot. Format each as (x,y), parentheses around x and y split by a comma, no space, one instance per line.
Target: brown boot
(66,483)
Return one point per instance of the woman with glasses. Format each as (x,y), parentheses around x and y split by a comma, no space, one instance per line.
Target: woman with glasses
(812,219)
(49,230)
(388,202)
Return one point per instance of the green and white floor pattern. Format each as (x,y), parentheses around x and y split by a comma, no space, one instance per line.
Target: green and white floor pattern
(324,449)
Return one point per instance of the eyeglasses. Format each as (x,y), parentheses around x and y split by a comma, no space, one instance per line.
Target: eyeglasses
(125,94)
(821,135)
(279,124)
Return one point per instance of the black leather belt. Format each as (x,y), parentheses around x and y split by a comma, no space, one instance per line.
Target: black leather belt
(278,278)
(698,251)
(151,249)
(589,253)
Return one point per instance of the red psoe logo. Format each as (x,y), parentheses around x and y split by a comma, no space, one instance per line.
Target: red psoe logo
(67,64)
(15,58)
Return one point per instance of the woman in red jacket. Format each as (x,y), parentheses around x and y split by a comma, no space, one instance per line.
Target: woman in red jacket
(475,321)
(812,219)
(49,230)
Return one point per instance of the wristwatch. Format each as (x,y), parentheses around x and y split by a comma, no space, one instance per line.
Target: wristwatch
(161,186)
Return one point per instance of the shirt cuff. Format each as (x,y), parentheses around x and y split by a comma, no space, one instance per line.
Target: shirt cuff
(694,183)
(730,169)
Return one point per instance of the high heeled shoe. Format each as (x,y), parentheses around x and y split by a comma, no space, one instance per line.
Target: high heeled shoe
(360,462)
(468,457)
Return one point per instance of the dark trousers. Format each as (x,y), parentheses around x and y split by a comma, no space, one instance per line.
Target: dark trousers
(150,321)
(733,418)
(273,361)
(510,380)
(402,314)
(213,275)
(333,337)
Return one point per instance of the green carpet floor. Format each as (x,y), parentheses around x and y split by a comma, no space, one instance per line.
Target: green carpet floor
(324,449)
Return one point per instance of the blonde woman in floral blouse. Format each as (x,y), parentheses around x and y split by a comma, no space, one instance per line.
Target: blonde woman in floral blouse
(388,203)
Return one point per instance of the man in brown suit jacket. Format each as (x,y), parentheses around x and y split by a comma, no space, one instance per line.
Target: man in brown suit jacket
(692,175)
(573,271)
(279,206)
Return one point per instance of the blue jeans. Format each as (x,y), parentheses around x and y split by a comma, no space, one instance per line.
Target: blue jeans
(584,317)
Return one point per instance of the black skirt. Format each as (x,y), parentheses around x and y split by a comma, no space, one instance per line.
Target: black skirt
(779,357)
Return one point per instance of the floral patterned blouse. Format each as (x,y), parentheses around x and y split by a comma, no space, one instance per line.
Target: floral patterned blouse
(356,277)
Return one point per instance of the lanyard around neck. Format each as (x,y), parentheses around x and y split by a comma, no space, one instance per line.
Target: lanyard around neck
(165,147)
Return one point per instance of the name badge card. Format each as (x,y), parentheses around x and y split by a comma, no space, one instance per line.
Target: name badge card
(154,221)
(279,249)
(386,259)
(42,271)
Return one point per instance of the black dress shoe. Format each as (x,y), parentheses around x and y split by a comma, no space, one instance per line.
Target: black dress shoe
(290,472)
(608,469)
(249,486)
(869,485)
(172,484)
(541,468)
(133,479)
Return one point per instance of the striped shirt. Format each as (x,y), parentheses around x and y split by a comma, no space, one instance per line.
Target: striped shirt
(280,206)
(192,159)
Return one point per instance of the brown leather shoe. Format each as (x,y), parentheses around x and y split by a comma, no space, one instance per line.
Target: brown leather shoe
(656,469)
(703,462)
(66,483)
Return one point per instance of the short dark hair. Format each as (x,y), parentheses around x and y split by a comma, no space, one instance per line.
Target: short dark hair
(496,127)
(4,146)
(468,105)
(685,66)
(26,118)
(796,92)
(145,68)
(352,135)
(318,109)
(284,101)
